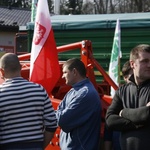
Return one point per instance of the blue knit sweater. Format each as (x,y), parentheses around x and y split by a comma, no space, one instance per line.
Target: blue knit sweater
(79,116)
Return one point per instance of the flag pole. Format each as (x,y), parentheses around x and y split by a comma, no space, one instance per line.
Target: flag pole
(120,53)
(119,71)
(33,10)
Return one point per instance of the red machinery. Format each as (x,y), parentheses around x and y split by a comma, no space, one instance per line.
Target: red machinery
(61,88)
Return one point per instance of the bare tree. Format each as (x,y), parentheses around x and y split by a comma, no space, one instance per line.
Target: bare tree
(101,6)
(130,6)
(88,8)
(71,6)
(120,6)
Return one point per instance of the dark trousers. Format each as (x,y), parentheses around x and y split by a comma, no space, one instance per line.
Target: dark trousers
(22,146)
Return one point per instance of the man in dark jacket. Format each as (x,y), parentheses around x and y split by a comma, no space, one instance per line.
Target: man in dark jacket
(130,108)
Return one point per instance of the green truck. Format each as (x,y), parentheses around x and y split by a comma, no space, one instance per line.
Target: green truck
(99,29)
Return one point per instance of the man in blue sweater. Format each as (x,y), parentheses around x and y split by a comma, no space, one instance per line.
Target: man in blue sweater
(79,113)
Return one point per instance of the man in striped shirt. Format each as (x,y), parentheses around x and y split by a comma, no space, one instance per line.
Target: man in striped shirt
(27,118)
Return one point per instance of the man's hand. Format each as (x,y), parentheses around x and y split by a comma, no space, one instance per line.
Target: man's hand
(148,104)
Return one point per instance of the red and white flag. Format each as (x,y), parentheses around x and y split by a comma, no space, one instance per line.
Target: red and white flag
(44,65)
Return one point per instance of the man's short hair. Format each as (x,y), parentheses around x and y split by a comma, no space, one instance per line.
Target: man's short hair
(77,64)
(134,54)
(10,62)
(126,69)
